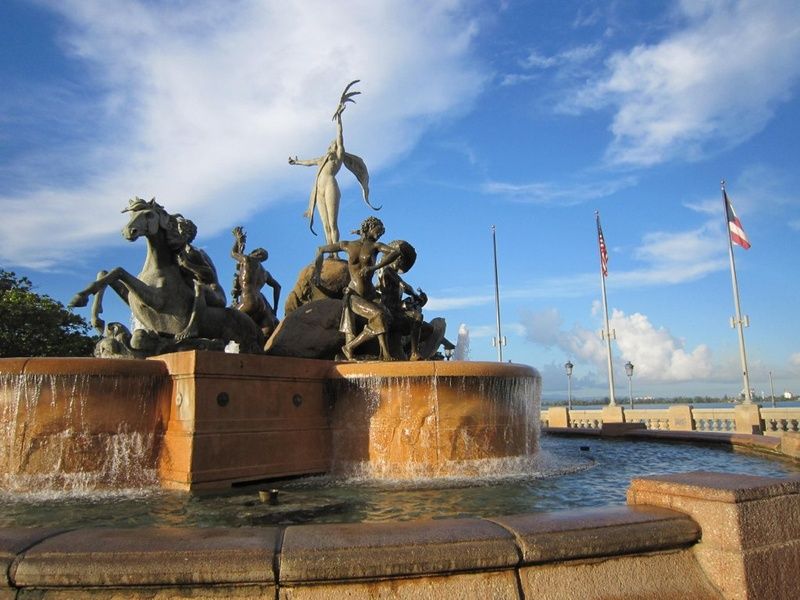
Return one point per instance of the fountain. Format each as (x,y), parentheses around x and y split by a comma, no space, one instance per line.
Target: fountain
(72,423)
(207,420)
(167,410)
(195,419)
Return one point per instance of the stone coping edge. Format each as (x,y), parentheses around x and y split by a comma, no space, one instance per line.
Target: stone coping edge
(716,487)
(766,444)
(297,554)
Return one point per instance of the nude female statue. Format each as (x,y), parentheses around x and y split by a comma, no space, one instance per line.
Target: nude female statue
(361,297)
(325,194)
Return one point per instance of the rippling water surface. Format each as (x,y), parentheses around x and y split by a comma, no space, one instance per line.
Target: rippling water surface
(567,473)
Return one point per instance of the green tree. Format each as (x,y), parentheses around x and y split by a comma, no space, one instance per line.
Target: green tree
(34,324)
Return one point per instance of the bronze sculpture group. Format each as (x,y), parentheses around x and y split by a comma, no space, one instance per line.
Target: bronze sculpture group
(178,303)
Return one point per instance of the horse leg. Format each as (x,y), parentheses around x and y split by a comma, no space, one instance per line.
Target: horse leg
(198,308)
(119,278)
(97,307)
(103,279)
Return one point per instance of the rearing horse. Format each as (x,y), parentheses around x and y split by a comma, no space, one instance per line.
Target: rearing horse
(164,297)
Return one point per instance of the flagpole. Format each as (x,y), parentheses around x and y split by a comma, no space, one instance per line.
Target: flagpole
(499,341)
(607,334)
(737,321)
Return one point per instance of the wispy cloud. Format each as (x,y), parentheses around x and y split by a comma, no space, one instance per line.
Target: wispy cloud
(566,62)
(200,105)
(553,193)
(458,301)
(717,81)
(489,331)
(675,257)
(666,258)
(577,54)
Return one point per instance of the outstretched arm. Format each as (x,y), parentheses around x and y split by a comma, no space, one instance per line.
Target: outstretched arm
(239,240)
(305,163)
(339,138)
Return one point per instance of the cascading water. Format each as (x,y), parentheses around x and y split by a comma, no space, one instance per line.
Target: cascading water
(78,431)
(417,426)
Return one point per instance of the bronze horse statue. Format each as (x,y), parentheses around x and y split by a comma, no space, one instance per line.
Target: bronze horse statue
(176,297)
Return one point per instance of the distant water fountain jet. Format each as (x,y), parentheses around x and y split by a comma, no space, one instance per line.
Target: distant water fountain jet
(462,344)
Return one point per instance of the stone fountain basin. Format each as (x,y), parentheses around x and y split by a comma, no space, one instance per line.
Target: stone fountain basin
(208,420)
(97,420)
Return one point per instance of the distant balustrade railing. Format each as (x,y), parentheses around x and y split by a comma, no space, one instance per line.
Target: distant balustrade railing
(714,419)
(585,419)
(682,417)
(778,420)
(652,418)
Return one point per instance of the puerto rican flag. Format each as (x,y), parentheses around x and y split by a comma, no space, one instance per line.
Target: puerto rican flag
(738,236)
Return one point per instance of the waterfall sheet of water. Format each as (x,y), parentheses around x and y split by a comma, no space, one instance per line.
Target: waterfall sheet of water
(402,417)
(57,432)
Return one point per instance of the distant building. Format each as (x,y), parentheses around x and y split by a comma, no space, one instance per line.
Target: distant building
(787,395)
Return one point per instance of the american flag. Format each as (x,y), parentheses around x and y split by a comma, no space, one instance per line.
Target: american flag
(603,252)
(738,236)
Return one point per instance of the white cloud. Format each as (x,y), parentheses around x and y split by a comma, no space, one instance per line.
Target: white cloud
(794,360)
(717,81)
(543,327)
(657,355)
(201,105)
(655,352)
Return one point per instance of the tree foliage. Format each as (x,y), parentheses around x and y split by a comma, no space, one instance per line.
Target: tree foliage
(34,324)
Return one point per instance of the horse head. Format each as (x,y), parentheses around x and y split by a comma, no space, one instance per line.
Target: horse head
(147,219)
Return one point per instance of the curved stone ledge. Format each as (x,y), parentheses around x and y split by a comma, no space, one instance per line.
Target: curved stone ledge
(435,368)
(689,535)
(335,554)
(92,367)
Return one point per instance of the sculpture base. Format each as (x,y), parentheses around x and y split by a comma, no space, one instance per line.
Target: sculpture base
(211,420)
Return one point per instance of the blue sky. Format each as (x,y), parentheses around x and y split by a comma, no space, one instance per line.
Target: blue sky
(524,115)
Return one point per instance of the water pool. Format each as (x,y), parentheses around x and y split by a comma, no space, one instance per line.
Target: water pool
(567,473)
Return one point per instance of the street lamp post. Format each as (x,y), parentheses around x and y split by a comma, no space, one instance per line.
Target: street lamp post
(771,389)
(568,367)
(629,373)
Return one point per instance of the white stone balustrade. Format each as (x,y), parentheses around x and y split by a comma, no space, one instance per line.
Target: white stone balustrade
(739,419)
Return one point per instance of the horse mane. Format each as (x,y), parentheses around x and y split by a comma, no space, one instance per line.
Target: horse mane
(179,233)
(176,239)
(177,228)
